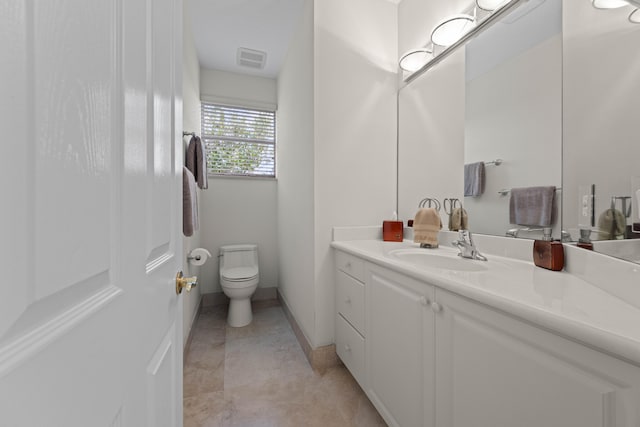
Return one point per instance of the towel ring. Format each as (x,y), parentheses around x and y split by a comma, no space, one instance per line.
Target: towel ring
(450,205)
(427,202)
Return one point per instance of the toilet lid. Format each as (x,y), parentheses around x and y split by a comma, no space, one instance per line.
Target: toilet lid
(240,273)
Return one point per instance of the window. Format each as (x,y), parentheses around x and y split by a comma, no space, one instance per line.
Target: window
(239,141)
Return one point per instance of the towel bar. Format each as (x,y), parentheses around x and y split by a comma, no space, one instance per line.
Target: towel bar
(505,191)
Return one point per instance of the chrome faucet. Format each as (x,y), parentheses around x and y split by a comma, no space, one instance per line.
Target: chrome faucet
(513,232)
(546,232)
(467,247)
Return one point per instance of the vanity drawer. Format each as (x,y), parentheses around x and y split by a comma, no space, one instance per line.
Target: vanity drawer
(350,300)
(350,349)
(351,265)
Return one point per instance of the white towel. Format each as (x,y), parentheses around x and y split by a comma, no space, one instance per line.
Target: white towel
(474,179)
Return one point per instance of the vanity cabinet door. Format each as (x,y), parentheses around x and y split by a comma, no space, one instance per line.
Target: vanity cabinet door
(496,371)
(399,347)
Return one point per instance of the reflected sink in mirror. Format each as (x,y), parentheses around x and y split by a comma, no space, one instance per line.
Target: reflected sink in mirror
(443,259)
(625,249)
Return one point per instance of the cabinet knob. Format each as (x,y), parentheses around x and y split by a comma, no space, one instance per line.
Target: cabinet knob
(347,348)
(348,264)
(348,300)
(436,307)
(424,301)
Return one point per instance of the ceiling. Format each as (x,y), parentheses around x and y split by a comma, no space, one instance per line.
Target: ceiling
(220,27)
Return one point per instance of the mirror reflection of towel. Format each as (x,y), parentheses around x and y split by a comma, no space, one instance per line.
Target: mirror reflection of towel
(458,220)
(474,179)
(611,225)
(532,206)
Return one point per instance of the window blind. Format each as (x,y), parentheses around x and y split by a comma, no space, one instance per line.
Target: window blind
(239,141)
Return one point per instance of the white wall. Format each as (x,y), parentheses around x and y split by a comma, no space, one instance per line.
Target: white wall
(239,210)
(431,137)
(431,111)
(237,89)
(355,68)
(295,172)
(191,123)
(337,145)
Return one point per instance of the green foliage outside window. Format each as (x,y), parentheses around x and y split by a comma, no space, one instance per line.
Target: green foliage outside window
(239,141)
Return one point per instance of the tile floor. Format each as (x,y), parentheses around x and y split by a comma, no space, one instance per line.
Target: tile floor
(258,376)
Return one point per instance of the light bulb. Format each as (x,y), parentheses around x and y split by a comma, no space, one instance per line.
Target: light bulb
(609,4)
(491,5)
(414,59)
(452,29)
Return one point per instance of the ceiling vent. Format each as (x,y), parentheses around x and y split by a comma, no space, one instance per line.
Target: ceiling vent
(251,58)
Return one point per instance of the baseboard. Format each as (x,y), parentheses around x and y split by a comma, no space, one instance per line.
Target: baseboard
(219,298)
(320,358)
(187,345)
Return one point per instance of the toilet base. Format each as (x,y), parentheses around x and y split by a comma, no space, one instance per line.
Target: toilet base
(239,312)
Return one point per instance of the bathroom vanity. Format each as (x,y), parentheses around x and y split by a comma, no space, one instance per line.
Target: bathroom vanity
(436,340)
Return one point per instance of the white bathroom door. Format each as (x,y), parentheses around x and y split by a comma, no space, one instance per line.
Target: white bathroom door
(90,221)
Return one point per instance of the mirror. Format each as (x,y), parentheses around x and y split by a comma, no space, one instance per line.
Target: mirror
(513,112)
(600,126)
(554,93)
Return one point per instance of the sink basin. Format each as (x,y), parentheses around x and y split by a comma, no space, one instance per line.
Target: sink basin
(426,258)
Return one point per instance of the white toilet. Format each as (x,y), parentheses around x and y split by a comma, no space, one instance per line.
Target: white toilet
(239,279)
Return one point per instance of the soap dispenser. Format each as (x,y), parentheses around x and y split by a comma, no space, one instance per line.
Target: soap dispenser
(548,253)
(585,239)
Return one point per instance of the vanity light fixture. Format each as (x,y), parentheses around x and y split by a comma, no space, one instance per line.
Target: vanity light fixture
(635,17)
(490,5)
(463,28)
(415,59)
(452,29)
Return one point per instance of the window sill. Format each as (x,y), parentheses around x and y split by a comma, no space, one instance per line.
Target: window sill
(254,178)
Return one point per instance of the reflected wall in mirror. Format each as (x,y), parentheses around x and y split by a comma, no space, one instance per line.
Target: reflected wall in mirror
(431,136)
(601,132)
(513,112)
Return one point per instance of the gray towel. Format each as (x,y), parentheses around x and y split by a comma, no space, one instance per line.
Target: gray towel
(189,203)
(197,161)
(474,179)
(532,206)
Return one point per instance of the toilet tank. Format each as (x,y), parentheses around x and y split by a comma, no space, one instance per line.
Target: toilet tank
(233,256)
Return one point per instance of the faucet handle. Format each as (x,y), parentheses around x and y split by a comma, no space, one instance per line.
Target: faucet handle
(465,236)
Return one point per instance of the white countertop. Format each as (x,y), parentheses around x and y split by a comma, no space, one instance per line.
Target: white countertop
(562,302)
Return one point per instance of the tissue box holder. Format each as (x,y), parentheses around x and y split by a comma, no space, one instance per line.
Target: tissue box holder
(549,255)
(392,231)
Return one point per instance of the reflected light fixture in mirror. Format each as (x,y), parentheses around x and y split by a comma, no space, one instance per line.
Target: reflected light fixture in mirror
(415,59)
(490,5)
(609,4)
(452,29)
(635,16)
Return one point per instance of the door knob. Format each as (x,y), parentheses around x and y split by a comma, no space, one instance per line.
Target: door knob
(185,282)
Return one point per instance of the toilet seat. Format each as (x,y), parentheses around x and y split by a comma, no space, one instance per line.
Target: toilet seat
(240,274)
